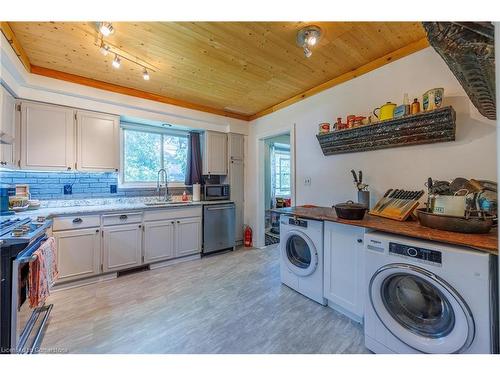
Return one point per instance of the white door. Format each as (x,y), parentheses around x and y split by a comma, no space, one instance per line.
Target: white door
(158,240)
(122,246)
(343,267)
(236,172)
(215,153)
(421,309)
(299,253)
(97,141)
(7,128)
(78,253)
(47,137)
(187,236)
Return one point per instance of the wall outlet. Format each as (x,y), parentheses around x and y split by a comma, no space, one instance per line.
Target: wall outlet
(68,189)
(307,181)
(112,189)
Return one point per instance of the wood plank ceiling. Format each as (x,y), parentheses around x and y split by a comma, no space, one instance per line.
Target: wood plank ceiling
(238,69)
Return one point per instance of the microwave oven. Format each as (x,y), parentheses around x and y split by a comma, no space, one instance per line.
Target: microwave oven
(216,192)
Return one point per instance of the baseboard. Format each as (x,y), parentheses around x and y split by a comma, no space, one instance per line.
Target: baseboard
(170,262)
(88,281)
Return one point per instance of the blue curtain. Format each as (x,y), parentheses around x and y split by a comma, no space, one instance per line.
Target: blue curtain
(193,169)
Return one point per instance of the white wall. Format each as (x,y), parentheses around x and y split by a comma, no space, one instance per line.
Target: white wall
(473,154)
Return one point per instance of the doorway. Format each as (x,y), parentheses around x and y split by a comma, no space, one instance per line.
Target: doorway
(277,183)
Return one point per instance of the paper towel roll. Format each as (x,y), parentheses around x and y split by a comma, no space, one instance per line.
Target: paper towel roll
(196,192)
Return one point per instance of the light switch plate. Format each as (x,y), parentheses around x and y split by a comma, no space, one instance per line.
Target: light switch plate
(307,181)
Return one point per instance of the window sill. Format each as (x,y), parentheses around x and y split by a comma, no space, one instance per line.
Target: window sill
(136,186)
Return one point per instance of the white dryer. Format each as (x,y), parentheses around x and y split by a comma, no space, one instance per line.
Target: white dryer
(427,297)
(301,258)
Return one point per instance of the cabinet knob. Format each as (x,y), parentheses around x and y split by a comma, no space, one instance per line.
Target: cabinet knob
(140,225)
(97,230)
(69,168)
(359,240)
(178,222)
(116,169)
(172,222)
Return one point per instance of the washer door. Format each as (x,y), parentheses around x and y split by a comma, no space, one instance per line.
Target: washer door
(421,309)
(299,253)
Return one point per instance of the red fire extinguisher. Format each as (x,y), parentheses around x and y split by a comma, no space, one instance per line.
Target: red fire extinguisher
(248,236)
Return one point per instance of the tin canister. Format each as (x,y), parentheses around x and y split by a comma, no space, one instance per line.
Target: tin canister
(324,127)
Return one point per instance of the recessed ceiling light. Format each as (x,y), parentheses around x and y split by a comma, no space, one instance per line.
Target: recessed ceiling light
(145,74)
(116,62)
(106,28)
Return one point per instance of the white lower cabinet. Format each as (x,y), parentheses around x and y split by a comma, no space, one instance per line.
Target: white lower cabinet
(158,240)
(187,236)
(78,253)
(113,242)
(122,247)
(344,269)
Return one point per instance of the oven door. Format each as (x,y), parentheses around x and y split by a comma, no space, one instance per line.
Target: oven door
(27,324)
(421,309)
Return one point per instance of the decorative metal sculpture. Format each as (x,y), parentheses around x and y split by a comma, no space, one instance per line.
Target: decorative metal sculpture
(426,127)
(468,49)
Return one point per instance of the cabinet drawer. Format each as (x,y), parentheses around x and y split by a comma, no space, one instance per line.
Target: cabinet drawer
(122,218)
(76,222)
(172,213)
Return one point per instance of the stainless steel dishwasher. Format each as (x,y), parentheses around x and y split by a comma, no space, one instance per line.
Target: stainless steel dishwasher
(218,227)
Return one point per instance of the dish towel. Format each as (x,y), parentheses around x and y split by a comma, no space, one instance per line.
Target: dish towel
(43,272)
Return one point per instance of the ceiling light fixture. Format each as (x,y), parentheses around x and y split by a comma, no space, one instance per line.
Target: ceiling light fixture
(307,38)
(116,62)
(106,28)
(145,74)
(104,49)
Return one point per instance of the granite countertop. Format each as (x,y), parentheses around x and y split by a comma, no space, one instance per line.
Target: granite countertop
(90,206)
(485,242)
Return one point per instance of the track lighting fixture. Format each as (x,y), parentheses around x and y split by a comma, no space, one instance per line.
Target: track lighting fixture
(145,74)
(106,28)
(307,38)
(116,62)
(104,49)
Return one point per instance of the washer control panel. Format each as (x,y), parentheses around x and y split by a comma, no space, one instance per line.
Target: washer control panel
(420,253)
(297,222)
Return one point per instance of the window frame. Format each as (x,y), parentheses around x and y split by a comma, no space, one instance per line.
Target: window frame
(145,129)
(277,148)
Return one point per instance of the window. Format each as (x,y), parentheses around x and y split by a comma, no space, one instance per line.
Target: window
(146,151)
(280,169)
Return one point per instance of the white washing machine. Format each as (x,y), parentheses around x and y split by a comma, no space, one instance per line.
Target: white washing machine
(301,260)
(426,297)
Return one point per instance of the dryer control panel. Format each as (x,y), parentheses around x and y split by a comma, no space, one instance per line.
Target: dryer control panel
(297,222)
(415,252)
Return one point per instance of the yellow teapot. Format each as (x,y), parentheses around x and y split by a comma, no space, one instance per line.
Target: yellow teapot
(386,112)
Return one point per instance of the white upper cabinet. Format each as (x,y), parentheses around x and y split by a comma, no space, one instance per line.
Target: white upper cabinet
(47,137)
(236,143)
(97,141)
(215,153)
(7,128)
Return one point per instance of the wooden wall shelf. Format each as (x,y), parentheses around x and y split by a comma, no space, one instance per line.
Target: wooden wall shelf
(425,127)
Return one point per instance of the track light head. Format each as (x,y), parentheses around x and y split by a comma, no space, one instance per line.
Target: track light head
(106,28)
(116,62)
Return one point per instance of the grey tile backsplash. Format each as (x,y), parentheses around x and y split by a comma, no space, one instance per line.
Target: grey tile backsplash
(50,185)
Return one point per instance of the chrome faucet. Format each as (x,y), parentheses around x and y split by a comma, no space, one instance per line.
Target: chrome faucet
(162,172)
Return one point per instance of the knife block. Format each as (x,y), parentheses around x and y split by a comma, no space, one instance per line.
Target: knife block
(398,213)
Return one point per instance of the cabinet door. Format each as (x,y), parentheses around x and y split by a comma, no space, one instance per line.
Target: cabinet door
(47,137)
(78,253)
(122,246)
(236,180)
(215,153)
(158,240)
(187,236)
(97,141)
(236,145)
(7,128)
(344,273)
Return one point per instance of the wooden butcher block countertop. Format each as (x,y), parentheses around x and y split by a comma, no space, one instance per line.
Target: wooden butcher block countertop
(485,242)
